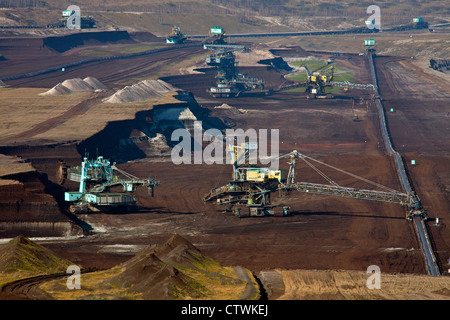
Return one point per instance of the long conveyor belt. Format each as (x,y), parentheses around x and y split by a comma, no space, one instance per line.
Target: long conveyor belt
(419,224)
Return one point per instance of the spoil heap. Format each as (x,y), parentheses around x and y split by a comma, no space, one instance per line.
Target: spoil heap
(143,90)
(22,254)
(171,271)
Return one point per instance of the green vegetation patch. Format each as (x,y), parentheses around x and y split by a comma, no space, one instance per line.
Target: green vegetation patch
(340,73)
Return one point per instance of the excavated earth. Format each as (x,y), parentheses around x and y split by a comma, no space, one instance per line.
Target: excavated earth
(323,232)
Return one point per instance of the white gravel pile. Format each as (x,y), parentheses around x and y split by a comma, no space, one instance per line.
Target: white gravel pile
(57,90)
(75,85)
(95,83)
(141,91)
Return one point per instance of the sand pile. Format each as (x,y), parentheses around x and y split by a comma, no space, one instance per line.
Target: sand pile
(231,110)
(95,83)
(176,113)
(57,90)
(223,106)
(75,85)
(143,90)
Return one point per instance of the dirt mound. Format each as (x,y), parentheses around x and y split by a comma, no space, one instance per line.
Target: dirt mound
(155,271)
(143,36)
(154,278)
(75,85)
(23,254)
(179,251)
(143,90)
(161,271)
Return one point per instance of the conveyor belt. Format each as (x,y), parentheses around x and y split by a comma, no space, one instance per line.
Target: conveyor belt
(419,224)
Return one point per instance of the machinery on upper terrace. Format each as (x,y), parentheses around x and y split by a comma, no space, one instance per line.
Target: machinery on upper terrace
(229,82)
(216,36)
(318,80)
(86,22)
(252,185)
(97,179)
(176,36)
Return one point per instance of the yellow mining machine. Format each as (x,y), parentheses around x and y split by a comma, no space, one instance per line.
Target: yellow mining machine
(216,36)
(318,80)
(176,36)
(252,185)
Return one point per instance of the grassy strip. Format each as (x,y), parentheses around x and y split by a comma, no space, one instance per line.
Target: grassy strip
(341,74)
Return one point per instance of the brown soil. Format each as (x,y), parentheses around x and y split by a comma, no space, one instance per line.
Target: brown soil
(26,55)
(419,130)
(156,270)
(323,232)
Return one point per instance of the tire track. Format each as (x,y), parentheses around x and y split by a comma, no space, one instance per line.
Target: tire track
(28,289)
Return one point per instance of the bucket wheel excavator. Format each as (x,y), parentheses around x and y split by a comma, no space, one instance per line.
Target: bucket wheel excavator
(98,180)
(229,82)
(318,80)
(251,187)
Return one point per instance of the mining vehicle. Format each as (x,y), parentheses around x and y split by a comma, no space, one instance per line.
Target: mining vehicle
(317,81)
(175,36)
(251,186)
(216,36)
(323,77)
(98,180)
(229,82)
(86,22)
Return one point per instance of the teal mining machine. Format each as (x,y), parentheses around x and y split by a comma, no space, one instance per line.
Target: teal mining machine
(97,181)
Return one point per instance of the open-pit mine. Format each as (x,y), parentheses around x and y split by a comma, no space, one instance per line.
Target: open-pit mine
(87,176)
